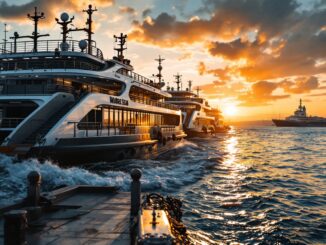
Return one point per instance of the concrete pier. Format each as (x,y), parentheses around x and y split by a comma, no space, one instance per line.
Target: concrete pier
(74,215)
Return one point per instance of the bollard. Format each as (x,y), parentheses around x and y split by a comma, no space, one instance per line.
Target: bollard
(33,189)
(135,190)
(15,224)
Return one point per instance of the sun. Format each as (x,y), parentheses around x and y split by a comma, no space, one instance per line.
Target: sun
(230,110)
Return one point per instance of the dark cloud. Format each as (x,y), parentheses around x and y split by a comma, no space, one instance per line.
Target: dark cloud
(273,37)
(236,49)
(51,8)
(146,12)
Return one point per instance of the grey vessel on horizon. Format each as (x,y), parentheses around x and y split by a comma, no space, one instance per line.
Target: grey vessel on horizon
(300,119)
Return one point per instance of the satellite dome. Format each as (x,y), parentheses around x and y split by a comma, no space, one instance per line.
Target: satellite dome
(82,44)
(64,17)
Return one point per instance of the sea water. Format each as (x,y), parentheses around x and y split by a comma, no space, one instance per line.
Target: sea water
(253,185)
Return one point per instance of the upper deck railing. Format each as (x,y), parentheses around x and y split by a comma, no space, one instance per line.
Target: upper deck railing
(46,46)
(139,78)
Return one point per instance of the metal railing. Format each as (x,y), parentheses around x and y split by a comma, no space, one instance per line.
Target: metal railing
(46,46)
(10,122)
(147,101)
(137,77)
(101,129)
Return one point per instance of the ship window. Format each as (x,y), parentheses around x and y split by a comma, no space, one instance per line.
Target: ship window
(115,117)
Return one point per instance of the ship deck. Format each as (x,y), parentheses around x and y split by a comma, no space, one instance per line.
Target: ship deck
(82,215)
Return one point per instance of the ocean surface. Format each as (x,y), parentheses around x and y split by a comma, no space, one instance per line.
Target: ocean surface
(254,185)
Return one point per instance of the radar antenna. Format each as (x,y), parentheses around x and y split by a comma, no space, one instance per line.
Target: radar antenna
(64,25)
(120,40)
(35,35)
(160,67)
(178,81)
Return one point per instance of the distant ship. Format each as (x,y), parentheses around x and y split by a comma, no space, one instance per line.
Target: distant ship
(300,119)
(199,119)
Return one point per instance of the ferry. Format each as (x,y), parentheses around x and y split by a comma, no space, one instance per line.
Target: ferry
(199,119)
(300,119)
(61,100)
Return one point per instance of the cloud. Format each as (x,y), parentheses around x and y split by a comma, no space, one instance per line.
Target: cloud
(220,89)
(146,12)
(127,10)
(260,94)
(317,95)
(273,38)
(301,85)
(222,73)
(185,56)
(51,8)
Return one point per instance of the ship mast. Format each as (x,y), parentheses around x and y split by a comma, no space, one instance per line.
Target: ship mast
(178,81)
(189,85)
(198,90)
(89,30)
(35,35)
(5,39)
(64,25)
(120,40)
(160,67)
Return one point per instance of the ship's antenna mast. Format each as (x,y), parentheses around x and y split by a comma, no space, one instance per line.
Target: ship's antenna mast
(160,67)
(15,37)
(120,40)
(89,30)
(189,85)
(5,39)
(198,90)
(35,18)
(178,80)
(64,25)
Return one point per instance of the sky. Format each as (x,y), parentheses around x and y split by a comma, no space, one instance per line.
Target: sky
(254,59)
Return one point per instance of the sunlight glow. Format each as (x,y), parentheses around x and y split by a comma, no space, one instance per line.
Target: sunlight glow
(230,110)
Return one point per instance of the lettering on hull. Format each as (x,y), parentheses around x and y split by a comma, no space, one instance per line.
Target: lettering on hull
(118,101)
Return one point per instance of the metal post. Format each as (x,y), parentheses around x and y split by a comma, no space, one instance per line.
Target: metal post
(33,190)
(15,223)
(135,189)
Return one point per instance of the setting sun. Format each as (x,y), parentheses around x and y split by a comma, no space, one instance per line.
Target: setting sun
(230,110)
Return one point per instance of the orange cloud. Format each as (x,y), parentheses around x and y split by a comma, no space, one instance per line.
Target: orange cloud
(261,94)
(301,85)
(223,73)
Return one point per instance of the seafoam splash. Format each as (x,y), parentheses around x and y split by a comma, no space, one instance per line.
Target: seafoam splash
(13,175)
(186,160)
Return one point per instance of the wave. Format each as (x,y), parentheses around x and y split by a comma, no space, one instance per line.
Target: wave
(162,174)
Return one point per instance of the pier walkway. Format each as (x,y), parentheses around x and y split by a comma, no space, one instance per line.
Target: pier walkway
(79,215)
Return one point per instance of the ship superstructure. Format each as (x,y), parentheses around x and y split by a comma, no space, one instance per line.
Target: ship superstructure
(61,99)
(300,119)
